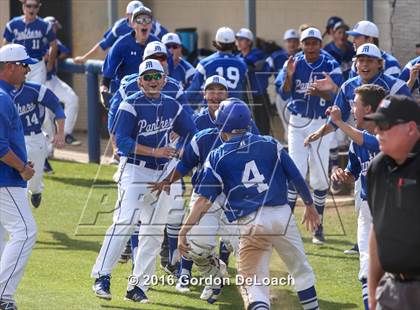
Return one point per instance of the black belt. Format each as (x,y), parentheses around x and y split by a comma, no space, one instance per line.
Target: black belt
(143,163)
(34,132)
(405,277)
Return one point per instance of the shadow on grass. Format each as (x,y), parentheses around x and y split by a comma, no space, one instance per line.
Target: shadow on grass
(82,182)
(64,242)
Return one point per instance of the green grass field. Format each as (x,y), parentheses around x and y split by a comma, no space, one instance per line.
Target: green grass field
(69,238)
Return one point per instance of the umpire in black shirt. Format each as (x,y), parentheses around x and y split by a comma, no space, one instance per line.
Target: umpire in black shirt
(393,184)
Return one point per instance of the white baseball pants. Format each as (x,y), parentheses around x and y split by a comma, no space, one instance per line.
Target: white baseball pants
(16,218)
(67,96)
(316,156)
(364,223)
(38,73)
(261,231)
(36,146)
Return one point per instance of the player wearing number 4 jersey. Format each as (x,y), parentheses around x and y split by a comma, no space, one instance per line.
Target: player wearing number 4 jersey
(258,168)
(223,63)
(307,107)
(36,35)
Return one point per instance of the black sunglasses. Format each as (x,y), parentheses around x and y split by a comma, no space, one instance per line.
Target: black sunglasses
(143,20)
(17,63)
(173,46)
(385,125)
(32,6)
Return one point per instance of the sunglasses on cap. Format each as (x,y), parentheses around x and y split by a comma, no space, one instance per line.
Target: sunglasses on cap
(32,6)
(172,46)
(159,57)
(385,125)
(152,76)
(145,20)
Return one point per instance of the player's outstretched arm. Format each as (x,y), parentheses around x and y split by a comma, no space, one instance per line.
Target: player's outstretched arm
(322,131)
(353,133)
(165,184)
(343,176)
(201,205)
(82,59)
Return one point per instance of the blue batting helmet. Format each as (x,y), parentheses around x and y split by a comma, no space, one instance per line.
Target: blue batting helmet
(233,115)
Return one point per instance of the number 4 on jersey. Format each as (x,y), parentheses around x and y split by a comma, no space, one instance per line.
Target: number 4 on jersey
(253,177)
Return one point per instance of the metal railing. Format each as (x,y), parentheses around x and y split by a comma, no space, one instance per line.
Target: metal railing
(92,69)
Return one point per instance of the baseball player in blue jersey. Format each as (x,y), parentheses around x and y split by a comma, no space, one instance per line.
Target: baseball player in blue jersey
(307,108)
(275,64)
(32,101)
(340,48)
(367,32)
(15,170)
(363,148)
(36,35)
(144,122)
(258,168)
(258,79)
(410,74)
(182,70)
(120,28)
(223,63)
(62,90)
(126,54)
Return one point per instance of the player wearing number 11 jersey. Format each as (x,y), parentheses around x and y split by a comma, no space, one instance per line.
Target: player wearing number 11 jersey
(222,63)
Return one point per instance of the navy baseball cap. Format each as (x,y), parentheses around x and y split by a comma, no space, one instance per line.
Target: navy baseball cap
(396,109)
(332,21)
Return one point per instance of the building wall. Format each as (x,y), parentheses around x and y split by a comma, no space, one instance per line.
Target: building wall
(4,14)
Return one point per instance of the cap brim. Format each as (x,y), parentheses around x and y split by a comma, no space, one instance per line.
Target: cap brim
(376,117)
(214,83)
(29,61)
(148,70)
(353,33)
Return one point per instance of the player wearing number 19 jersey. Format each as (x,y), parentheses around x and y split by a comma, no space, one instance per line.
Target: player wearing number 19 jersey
(223,63)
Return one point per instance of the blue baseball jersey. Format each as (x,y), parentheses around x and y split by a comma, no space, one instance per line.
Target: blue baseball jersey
(345,97)
(227,65)
(257,68)
(204,120)
(129,86)
(62,49)
(391,66)
(122,26)
(360,157)
(344,58)
(35,36)
(183,72)
(124,57)
(11,138)
(146,121)
(405,73)
(276,60)
(252,171)
(305,74)
(31,100)
(195,153)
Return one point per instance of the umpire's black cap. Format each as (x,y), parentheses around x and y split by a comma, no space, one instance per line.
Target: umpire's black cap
(396,109)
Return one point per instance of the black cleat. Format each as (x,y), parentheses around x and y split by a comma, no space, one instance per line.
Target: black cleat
(48,168)
(72,140)
(136,295)
(36,200)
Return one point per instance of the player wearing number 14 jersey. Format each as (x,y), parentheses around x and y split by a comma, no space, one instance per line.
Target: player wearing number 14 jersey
(223,63)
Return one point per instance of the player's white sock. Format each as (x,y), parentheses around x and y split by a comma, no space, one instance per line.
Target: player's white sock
(172,231)
(319,200)
(308,299)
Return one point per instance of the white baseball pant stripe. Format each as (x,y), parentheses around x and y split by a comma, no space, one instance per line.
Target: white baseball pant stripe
(36,146)
(67,96)
(316,156)
(16,217)
(38,73)
(261,231)
(364,223)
